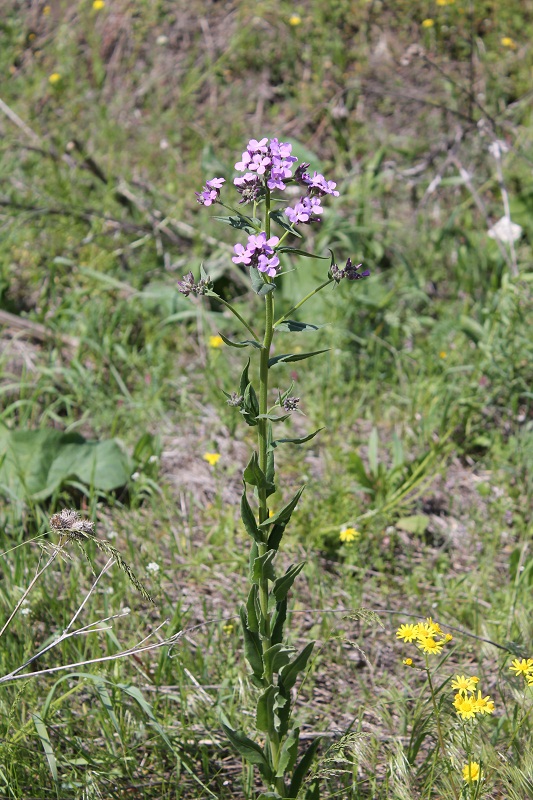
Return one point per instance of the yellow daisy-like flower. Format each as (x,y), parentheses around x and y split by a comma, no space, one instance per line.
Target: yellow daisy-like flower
(428,23)
(295,19)
(428,645)
(54,78)
(407,632)
(443,354)
(211,458)
(522,667)
(46,11)
(465,706)
(471,772)
(348,535)
(464,684)
(430,628)
(529,679)
(408,662)
(483,705)
(215,342)
(506,41)
(98,5)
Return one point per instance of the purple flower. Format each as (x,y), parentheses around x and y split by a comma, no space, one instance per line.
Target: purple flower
(268,265)
(215,183)
(259,164)
(211,192)
(304,209)
(242,255)
(320,186)
(259,252)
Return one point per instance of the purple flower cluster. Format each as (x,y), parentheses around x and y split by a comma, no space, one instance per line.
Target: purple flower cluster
(303,211)
(350,271)
(211,192)
(266,161)
(259,252)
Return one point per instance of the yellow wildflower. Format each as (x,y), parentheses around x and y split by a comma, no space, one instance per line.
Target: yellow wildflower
(529,679)
(407,632)
(443,354)
(295,19)
(463,684)
(483,705)
(522,667)
(428,23)
(215,342)
(348,535)
(506,41)
(465,706)
(46,11)
(408,662)
(228,628)
(471,772)
(54,78)
(428,645)
(211,458)
(98,5)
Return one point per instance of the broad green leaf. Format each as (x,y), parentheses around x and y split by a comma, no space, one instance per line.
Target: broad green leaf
(276,657)
(259,285)
(42,733)
(282,585)
(278,621)
(246,343)
(249,750)
(289,674)
(293,326)
(303,768)
(254,475)
(265,715)
(297,440)
(289,357)
(282,220)
(249,520)
(289,753)
(284,515)
(263,567)
(253,650)
(252,608)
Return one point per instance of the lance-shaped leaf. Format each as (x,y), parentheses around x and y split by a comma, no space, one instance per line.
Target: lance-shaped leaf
(259,285)
(249,750)
(246,343)
(293,326)
(288,357)
(247,516)
(296,440)
(276,657)
(270,467)
(304,765)
(240,222)
(282,585)
(267,718)
(289,753)
(250,405)
(297,252)
(273,417)
(245,380)
(263,567)
(254,475)
(253,650)
(289,674)
(278,621)
(284,515)
(253,612)
(282,220)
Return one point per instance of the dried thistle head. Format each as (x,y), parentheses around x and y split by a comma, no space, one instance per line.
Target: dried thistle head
(69,521)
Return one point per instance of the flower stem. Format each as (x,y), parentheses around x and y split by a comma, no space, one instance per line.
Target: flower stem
(236,313)
(305,299)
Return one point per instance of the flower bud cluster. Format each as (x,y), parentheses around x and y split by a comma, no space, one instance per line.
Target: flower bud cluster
(210,192)
(350,272)
(187,286)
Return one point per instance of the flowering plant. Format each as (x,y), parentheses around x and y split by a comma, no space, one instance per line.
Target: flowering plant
(268,167)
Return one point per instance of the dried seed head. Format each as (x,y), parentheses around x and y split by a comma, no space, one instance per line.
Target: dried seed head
(70,521)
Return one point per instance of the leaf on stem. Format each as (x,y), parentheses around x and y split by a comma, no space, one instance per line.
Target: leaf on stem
(284,515)
(281,219)
(300,252)
(253,610)
(248,749)
(293,326)
(287,357)
(259,285)
(289,674)
(278,621)
(246,343)
(304,765)
(253,651)
(289,753)
(276,657)
(282,585)
(300,440)
(250,406)
(254,475)
(263,567)
(240,222)
(248,518)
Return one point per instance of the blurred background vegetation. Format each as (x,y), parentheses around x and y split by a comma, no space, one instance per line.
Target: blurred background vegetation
(111,116)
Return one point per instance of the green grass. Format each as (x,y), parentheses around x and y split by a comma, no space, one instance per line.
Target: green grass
(433,352)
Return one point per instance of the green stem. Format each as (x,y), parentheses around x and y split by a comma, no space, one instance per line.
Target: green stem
(305,299)
(236,313)
(442,745)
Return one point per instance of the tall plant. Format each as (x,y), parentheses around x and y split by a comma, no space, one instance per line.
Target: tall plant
(268,167)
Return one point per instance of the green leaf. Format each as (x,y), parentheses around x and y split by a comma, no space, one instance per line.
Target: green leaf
(250,405)
(248,518)
(259,285)
(288,357)
(265,714)
(289,753)
(42,733)
(277,657)
(278,621)
(248,749)
(283,516)
(263,567)
(246,343)
(297,252)
(240,222)
(244,381)
(417,523)
(273,417)
(281,219)
(303,768)
(282,585)
(252,608)
(253,650)
(357,469)
(297,440)
(254,475)
(289,674)
(293,326)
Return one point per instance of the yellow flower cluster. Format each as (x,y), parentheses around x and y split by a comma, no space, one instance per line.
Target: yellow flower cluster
(471,772)
(428,636)
(466,703)
(523,667)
